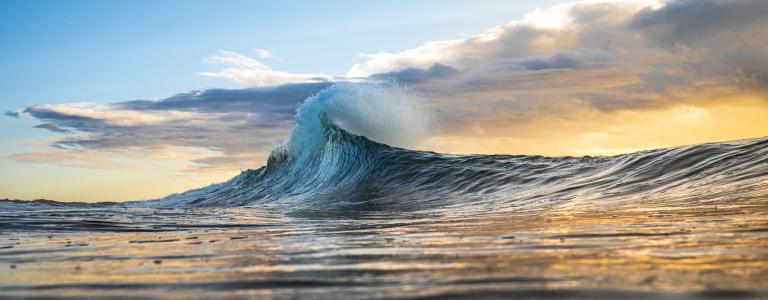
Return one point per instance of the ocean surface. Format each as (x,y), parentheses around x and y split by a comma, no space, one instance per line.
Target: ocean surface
(339,213)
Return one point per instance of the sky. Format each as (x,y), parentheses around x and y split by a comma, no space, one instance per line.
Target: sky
(129,100)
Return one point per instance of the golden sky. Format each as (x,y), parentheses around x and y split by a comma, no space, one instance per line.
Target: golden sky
(599,133)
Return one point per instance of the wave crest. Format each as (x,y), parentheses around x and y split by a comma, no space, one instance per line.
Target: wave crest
(386,113)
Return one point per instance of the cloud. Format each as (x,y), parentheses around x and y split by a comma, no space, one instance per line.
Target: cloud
(269,100)
(413,75)
(251,72)
(244,124)
(715,40)
(557,61)
(586,56)
(54,128)
(694,22)
(262,53)
(532,38)
(13,114)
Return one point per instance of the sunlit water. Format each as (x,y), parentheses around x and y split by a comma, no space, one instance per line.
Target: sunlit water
(713,251)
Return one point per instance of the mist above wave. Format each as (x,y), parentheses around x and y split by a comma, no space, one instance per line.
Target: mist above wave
(385,113)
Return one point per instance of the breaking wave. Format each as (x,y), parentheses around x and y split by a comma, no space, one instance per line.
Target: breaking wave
(343,154)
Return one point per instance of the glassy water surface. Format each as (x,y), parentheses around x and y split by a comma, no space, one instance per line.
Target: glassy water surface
(712,251)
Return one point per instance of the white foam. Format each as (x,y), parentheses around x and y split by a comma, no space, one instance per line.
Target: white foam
(385,113)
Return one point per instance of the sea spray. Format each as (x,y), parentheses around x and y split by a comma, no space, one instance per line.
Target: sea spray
(385,113)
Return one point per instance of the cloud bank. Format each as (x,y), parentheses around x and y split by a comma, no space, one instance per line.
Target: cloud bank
(239,127)
(588,56)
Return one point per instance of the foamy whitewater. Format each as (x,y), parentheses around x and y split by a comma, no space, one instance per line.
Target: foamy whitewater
(343,210)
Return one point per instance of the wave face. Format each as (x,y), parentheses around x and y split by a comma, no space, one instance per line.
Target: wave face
(331,162)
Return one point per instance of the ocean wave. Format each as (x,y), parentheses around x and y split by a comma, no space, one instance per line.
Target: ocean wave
(338,158)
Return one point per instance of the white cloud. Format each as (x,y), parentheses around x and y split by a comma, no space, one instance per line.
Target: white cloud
(262,53)
(251,72)
(121,117)
(541,32)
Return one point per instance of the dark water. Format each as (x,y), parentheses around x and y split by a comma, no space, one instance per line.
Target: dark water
(336,216)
